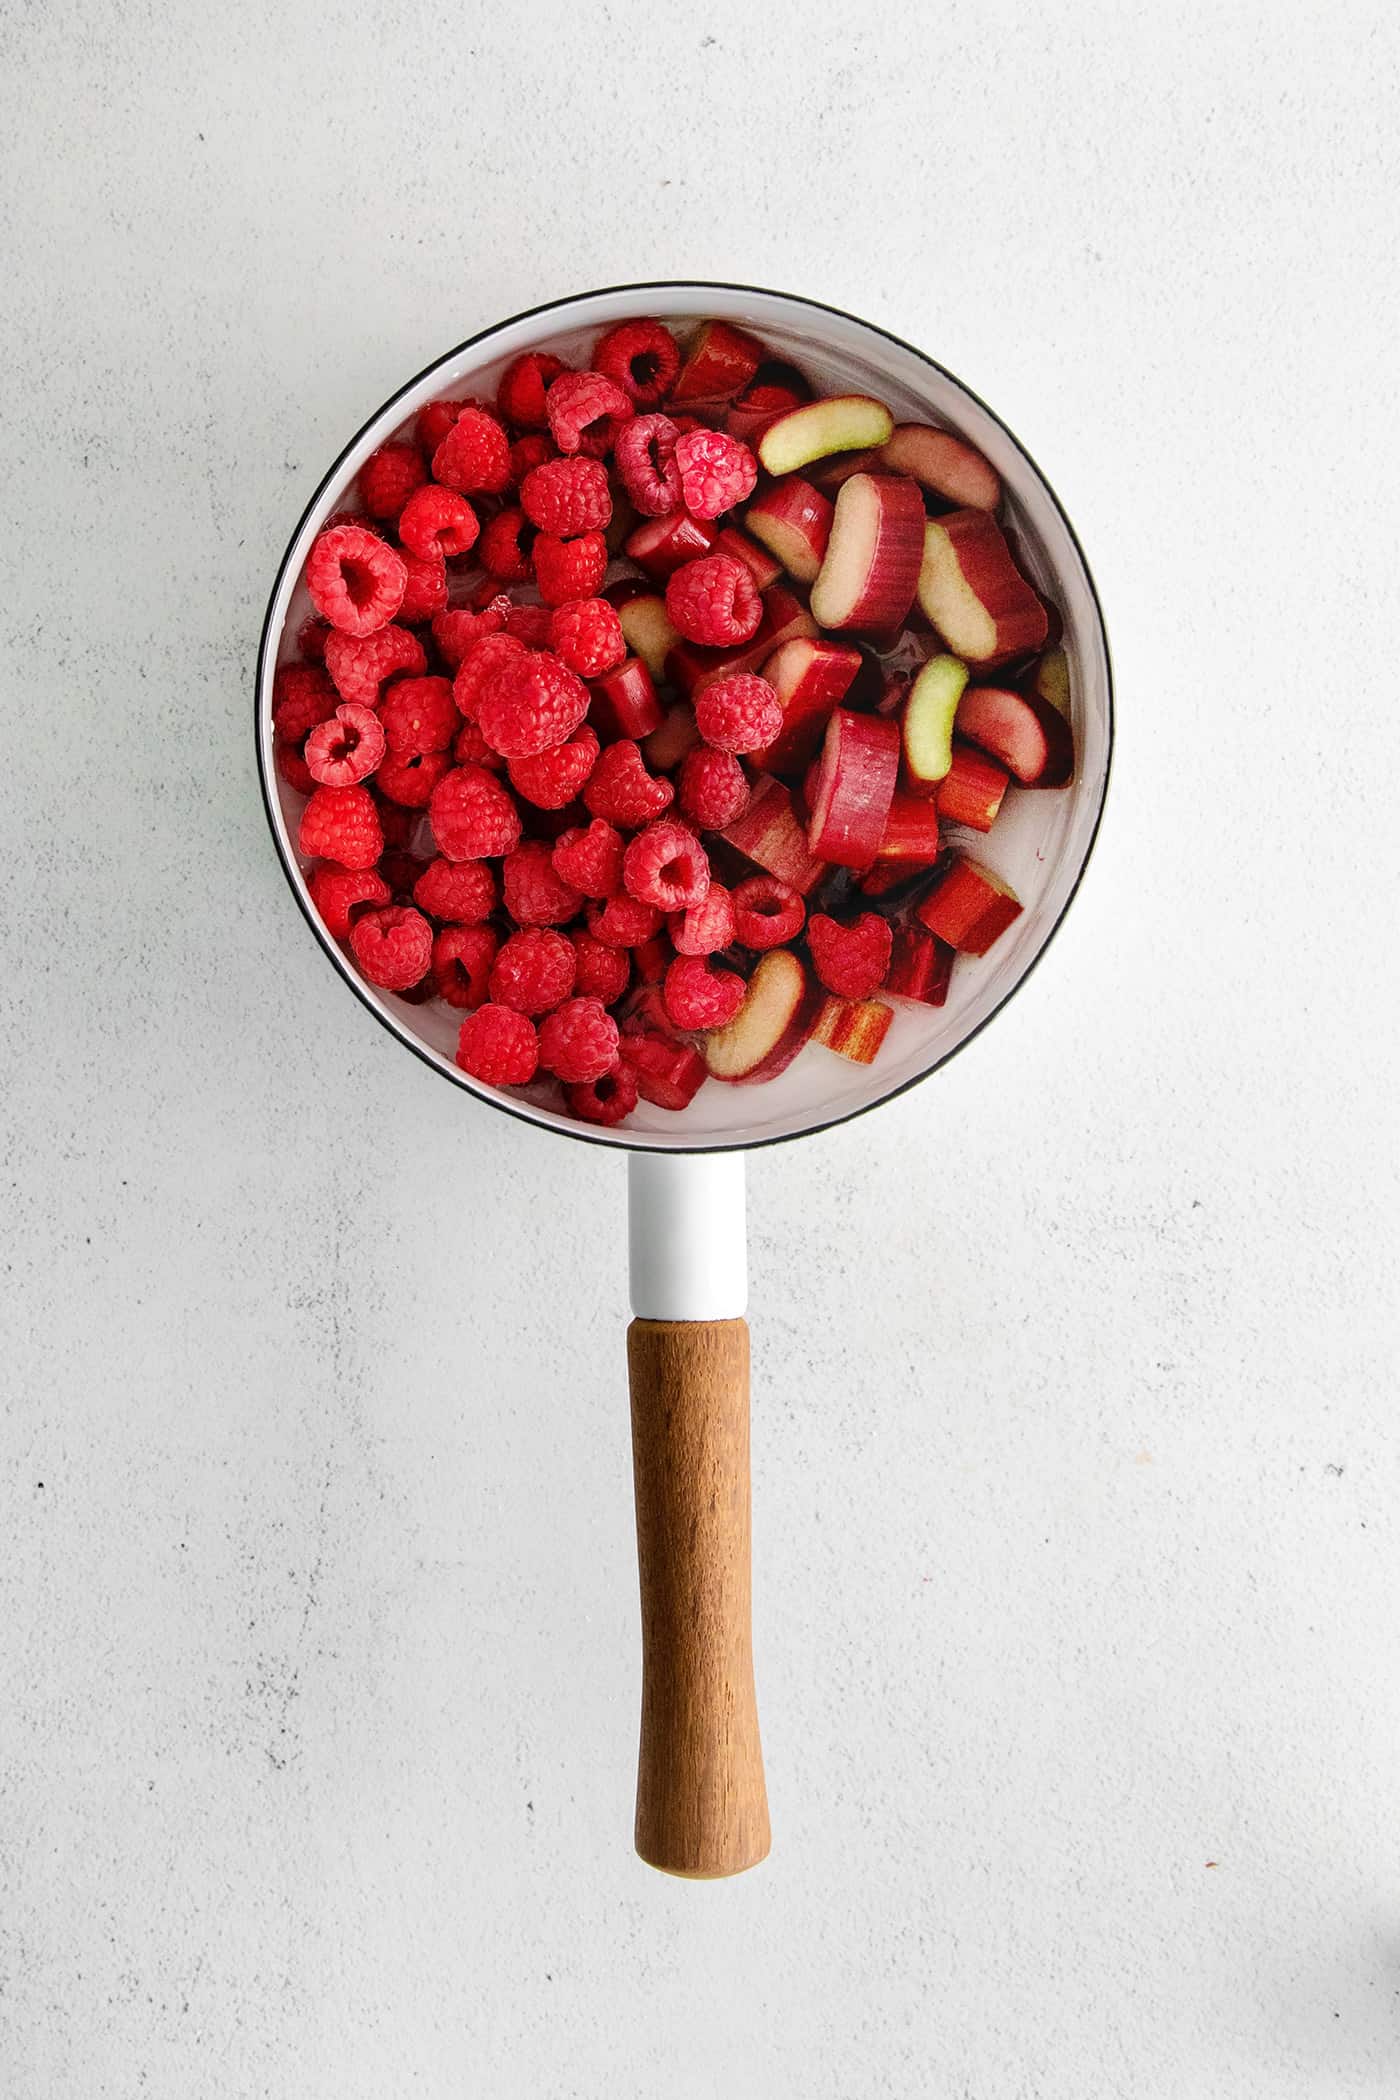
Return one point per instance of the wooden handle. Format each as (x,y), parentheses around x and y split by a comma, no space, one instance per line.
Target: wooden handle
(702,1809)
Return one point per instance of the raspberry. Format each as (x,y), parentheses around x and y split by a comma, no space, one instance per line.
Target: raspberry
(359,665)
(311,639)
(338,893)
(534,894)
(705,927)
(716,471)
(472,816)
(567,569)
(400,871)
(455,630)
(566,496)
(667,866)
(419,715)
(767,912)
(460,891)
(697,995)
(520,395)
(642,356)
(602,972)
(410,780)
(531,451)
(347,748)
(393,946)
(292,766)
(425,588)
(587,636)
(610,1099)
(554,778)
(590,860)
(474,457)
(434,422)
(653,959)
(578,1041)
(342,824)
(621,789)
(575,400)
(742,713)
(504,549)
(529,624)
(437,523)
(532,703)
(398,825)
(714,788)
(389,477)
(498,1047)
(479,668)
(302,696)
(462,958)
(646,460)
(623,922)
(714,601)
(852,961)
(355,580)
(472,749)
(534,970)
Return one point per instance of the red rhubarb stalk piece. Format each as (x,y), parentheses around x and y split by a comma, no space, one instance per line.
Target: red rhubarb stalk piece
(971,589)
(969,908)
(873,556)
(722,362)
(663,545)
(669,1073)
(769,835)
(776,1020)
(920,967)
(811,678)
(911,834)
(784,618)
(853,1028)
(972,789)
(854,788)
(793,520)
(624,702)
(1022,732)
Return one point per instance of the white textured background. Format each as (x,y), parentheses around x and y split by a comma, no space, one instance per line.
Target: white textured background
(1076,1459)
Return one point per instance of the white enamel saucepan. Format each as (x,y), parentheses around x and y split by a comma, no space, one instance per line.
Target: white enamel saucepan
(701,1805)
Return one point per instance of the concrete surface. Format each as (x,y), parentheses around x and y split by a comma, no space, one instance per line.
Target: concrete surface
(1075,1443)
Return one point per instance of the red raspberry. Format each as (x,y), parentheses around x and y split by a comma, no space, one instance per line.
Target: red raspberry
(410,780)
(602,972)
(302,697)
(707,926)
(567,569)
(714,788)
(576,400)
(699,996)
(389,477)
(653,959)
(565,496)
(425,588)
(480,667)
(505,544)
(608,1100)
(587,636)
(472,815)
(553,779)
(852,961)
(498,1047)
(434,422)
(359,665)
(474,457)
(311,639)
(534,970)
(520,395)
(346,749)
(621,789)
(462,964)
(461,891)
(624,922)
(472,749)
(531,704)
(419,715)
(742,713)
(340,893)
(292,766)
(714,601)
(400,871)
(667,866)
(455,630)
(342,824)
(530,625)
(398,825)
(393,946)
(767,912)
(578,1041)
(436,523)
(534,894)
(590,860)
(716,471)
(531,451)
(646,460)
(355,580)
(642,356)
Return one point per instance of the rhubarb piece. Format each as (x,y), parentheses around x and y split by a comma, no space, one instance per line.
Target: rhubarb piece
(973,789)
(624,702)
(829,474)
(667,745)
(721,363)
(1050,680)
(853,1028)
(647,629)
(841,423)
(777,1017)
(928,721)
(920,967)
(1021,731)
(793,520)
(911,834)
(663,545)
(810,678)
(945,465)
(854,788)
(874,554)
(970,907)
(776,389)
(973,592)
(769,835)
(764,567)
(785,617)
(669,1073)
